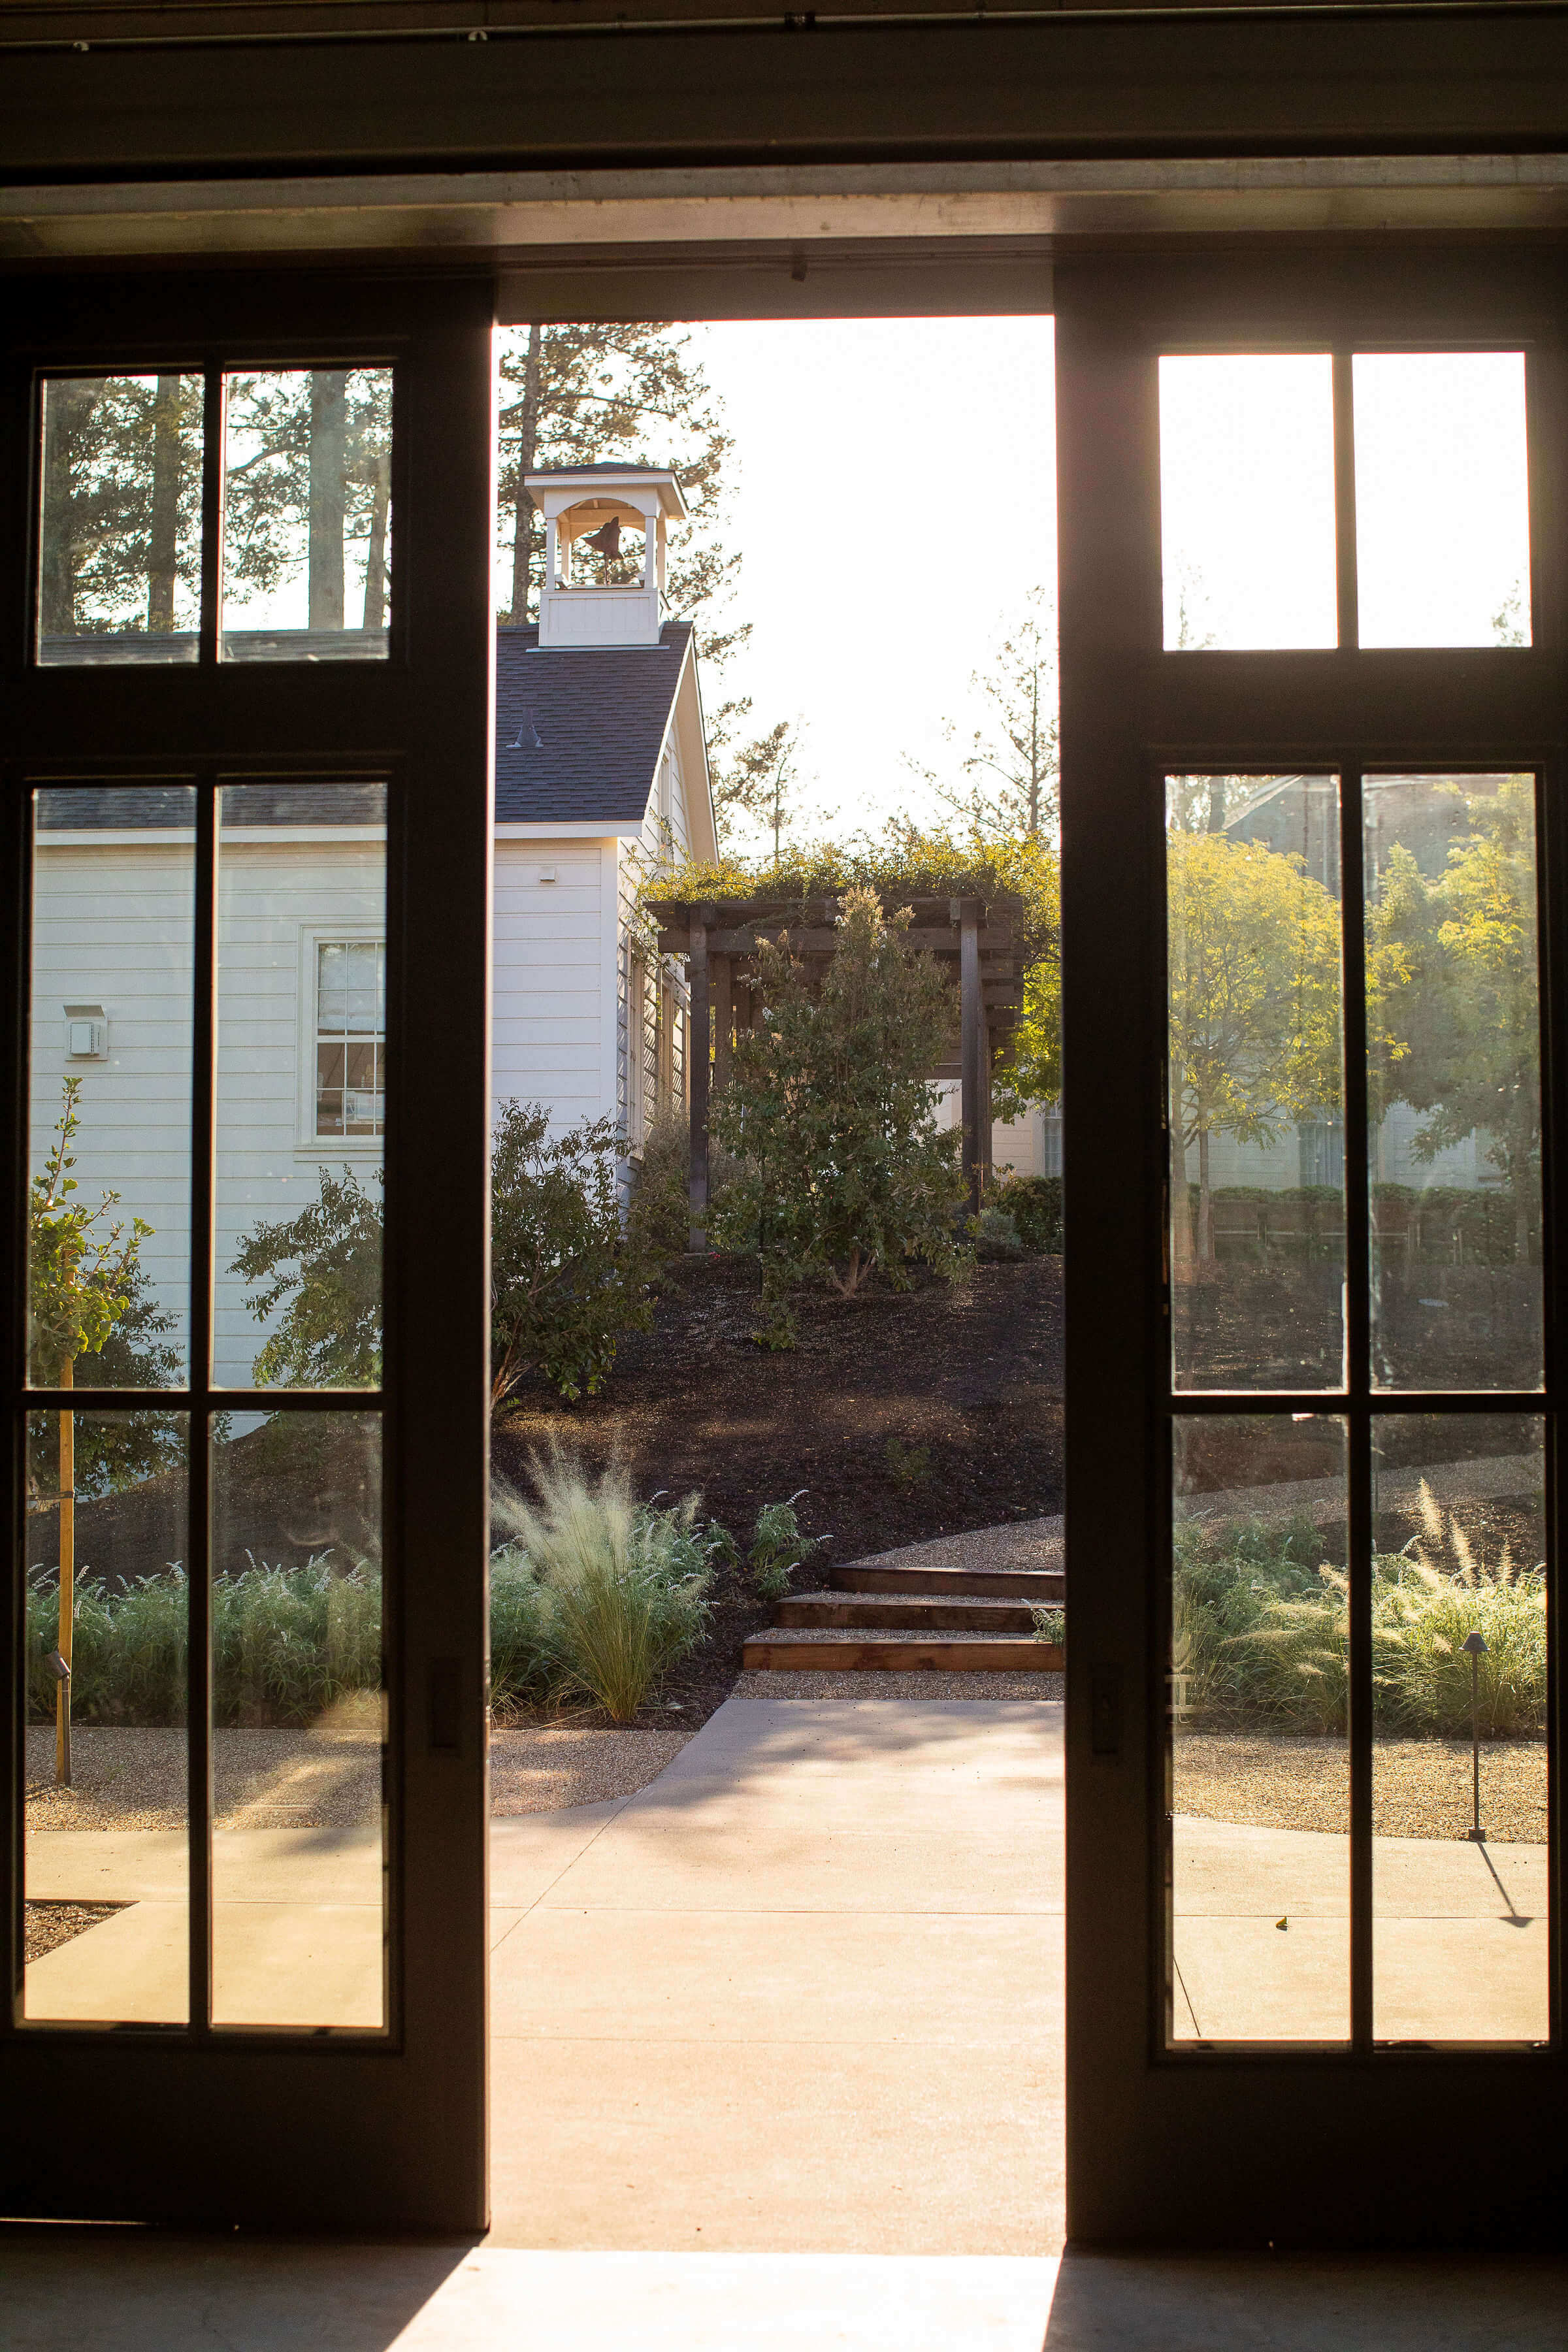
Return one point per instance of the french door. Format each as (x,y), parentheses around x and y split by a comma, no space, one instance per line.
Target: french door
(1315,889)
(248,644)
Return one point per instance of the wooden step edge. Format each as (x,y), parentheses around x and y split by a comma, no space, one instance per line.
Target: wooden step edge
(773,1653)
(962,1583)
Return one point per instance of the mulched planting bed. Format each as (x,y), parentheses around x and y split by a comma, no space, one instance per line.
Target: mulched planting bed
(1422,1788)
(906,1416)
(48,1926)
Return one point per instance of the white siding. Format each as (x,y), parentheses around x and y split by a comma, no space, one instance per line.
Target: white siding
(112,924)
(554,1015)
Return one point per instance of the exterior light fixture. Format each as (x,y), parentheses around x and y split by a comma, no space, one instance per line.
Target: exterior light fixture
(1475,1649)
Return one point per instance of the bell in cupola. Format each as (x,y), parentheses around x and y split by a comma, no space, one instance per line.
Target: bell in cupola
(608,540)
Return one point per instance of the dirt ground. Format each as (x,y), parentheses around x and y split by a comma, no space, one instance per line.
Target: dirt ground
(904,1415)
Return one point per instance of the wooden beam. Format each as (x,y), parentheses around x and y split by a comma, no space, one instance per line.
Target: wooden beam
(971,1029)
(697,1082)
(723,972)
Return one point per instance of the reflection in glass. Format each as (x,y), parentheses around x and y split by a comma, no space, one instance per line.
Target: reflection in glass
(1247,502)
(301,1085)
(1256,1073)
(1453,1108)
(105,1855)
(1259,1755)
(1442,487)
(112,947)
(119,538)
(307,533)
(1459,1613)
(299,1846)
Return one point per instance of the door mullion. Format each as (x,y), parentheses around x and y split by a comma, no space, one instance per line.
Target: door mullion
(1358,1363)
(198,1685)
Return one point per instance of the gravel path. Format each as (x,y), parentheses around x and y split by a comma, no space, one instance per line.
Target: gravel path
(127,1779)
(1027,1543)
(50,1925)
(1421,1787)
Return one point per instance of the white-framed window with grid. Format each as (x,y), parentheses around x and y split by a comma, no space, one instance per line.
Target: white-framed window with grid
(344,1100)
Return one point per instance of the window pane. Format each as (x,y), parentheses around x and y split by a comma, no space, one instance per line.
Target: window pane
(120,543)
(1247,502)
(306,530)
(110,1085)
(1442,486)
(1257,1211)
(301,1085)
(1259,1756)
(299,1852)
(106,1869)
(1460,1927)
(1454,1109)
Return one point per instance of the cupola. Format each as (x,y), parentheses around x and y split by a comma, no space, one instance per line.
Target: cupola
(603,552)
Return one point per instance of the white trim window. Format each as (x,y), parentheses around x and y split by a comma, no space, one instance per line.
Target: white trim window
(349,1036)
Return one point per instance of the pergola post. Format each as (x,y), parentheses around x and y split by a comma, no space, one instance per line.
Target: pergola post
(972,1055)
(698,1052)
(722,967)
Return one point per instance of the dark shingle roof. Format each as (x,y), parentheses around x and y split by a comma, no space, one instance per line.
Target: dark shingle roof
(132,807)
(579,731)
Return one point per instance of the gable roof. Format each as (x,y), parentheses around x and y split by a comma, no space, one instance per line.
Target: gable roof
(579,732)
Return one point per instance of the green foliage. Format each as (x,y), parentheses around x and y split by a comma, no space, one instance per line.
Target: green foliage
(996,1236)
(619,1588)
(778,1548)
(1050,1625)
(1261,1631)
(831,1114)
(122,501)
(568,1272)
(908,1466)
(1453,1014)
(1035,1205)
(82,1261)
(1254,996)
(287,1644)
(321,1273)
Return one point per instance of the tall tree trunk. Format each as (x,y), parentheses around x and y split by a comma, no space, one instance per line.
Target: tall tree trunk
(1216,804)
(63,412)
(329,450)
(163,537)
(527,446)
(1206,1202)
(375,560)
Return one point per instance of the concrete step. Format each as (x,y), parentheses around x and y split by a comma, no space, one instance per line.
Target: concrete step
(978,1583)
(902,1611)
(899,1653)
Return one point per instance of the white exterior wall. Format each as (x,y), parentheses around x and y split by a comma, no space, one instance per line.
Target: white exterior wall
(112,924)
(554,1024)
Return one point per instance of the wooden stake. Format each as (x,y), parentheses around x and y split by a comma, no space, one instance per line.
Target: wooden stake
(699,1050)
(68,1584)
(972,1042)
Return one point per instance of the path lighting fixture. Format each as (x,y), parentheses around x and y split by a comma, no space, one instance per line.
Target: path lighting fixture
(1476,1649)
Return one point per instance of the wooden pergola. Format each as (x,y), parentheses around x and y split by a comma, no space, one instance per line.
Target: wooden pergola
(719,939)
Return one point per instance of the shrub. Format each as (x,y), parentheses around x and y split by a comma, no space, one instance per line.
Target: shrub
(832,1117)
(1261,1631)
(778,1548)
(569,1273)
(623,1585)
(1050,1625)
(321,1274)
(1035,1205)
(908,1466)
(996,1236)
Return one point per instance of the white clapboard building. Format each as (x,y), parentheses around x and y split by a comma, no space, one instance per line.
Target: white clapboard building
(601,772)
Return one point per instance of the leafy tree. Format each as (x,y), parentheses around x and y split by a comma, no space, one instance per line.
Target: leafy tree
(94,1320)
(1454,1014)
(122,499)
(1012,766)
(832,1114)
(321,1274)
(569,1273)
(1253,985)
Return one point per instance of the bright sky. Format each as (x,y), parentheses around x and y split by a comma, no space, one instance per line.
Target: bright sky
(895,501)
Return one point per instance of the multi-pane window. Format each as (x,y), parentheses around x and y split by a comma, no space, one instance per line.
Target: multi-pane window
(351,1036)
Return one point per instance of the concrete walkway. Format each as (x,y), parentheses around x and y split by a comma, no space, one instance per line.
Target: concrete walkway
(805,1990)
